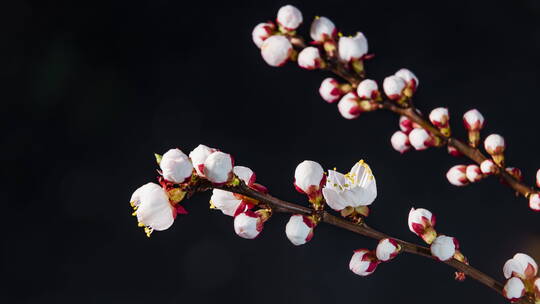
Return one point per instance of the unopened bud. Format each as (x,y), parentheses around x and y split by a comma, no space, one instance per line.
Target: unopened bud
(410,79)
(322,29)
(514,289)
(261,32)
(299,229)
(474,173)
(218,167)
(387,249)
(534,201)
(276,50)
(454,151)
(309,179)
(420,139)
(457,175)
(330,90)
(310,59)
(495,146)
(249,224)
(488,167)
(400,142)
(348,106)
(175,166)
(289,17)
(422,222)
(352,48)
(538,178)
(444,247)
(368,89)
(520,265)
(363,262)
(474,122)
(393,87)
(439,118)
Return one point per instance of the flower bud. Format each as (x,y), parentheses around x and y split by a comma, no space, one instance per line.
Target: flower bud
(521,266)
(488,167)
(420,139)
(152,208)
(514,289)
(405,124)
(439,118)
(322,29)
(348,106)
(261,32)
(229,203)
(444,247)
(218,167)
(400,142)
(393,87)
(410,79)
(245,174)
(198,157)
(473,173)
(299,229)
(515,172)
(457,175)
(276,50)
(538,178)
(352,48)
(368,89)
(309,58)
(363,262)
(309,178)
(454,151)
(175,166)
(494,145)
(474,122)
(534,201)
(289,17)
(422,222)
(387,249)
(330,90)
(249,224)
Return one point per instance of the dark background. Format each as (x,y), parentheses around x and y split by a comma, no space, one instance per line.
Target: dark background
(92,89)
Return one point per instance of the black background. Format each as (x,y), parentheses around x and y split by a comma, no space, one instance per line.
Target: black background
(93,89)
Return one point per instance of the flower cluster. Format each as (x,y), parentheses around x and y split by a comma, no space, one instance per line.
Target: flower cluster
(520,272)
(364,261)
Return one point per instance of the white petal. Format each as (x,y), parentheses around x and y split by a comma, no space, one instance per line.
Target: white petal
(155,211)
(175,166)
(334,199)
(351,48)
(245,174)
(139,193)
(246,226)
(289,17)
(218,167)
(443,247)
(276,50)
(297,230)
(225,201)
(198,157)
(308,176)
(348,106)
(322,28)
(514,289)
(534,202)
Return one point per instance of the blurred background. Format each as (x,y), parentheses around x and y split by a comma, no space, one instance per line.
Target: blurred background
(94,88)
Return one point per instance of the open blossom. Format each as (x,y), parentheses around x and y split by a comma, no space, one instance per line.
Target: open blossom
(457,175)
(363,262)
(354,189)
(488,167)
(420,139)
(473,173)
(276,50)
(248,224)
(152,207)
(309,58)
(410,79)
(368,89)
(229,203)
(348,106)
(175,166)
(352,48)
(521,266)
(534,201)
(322,29)
(330,90)
(393,87)
(299,229)
(514,289)
(218,167)
(289,17)
(444,247)
(422,222)
(198,157)
(400,142)
(387,249)
(309,177)
(261,32)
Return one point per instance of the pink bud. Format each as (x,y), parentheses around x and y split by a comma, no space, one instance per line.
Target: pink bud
(175,166)
(309,177)
(457,175)
(393,87)
(494,144)
(514,289)
(473,173)
(405,124)
(534,202)
(322,29)
(248,225)
(276,50)
(198,157)
(299,229)
(521,265)
(352,48)
(309,58)
(410,79)
(387,249)
(400,142)
(261,32)
(363,262)
(439,117)
(368,89)
(488,167)
(444,247)
(473,120)
(422,222)
(348,106)
(538,178)
(330,90)
(515,172)
(218,167)
(289,17)
(420,139)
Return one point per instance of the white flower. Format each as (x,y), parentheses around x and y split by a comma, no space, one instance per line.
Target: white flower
(368,89)
(488,167)
(276,50)
(299,229)
(308,177)
(521,265)
(421,222)
(152,207)
(473,173)
(410,79)
(322,29)
(439,117)
(245,174)
(457,175)
(248,225)
(218,167)
(400,142)
(534,202)
(289,17)
(473,120)
(348,106)
(354,189)
(494,144)
(405,124)
(175,166)
(514,289)
(387,249)
(227,202)
(444,247)
(420,139)
(393,87)
(198,157)
(363,262)
(261,32)
(352,48)
(309,58)
(330,90)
